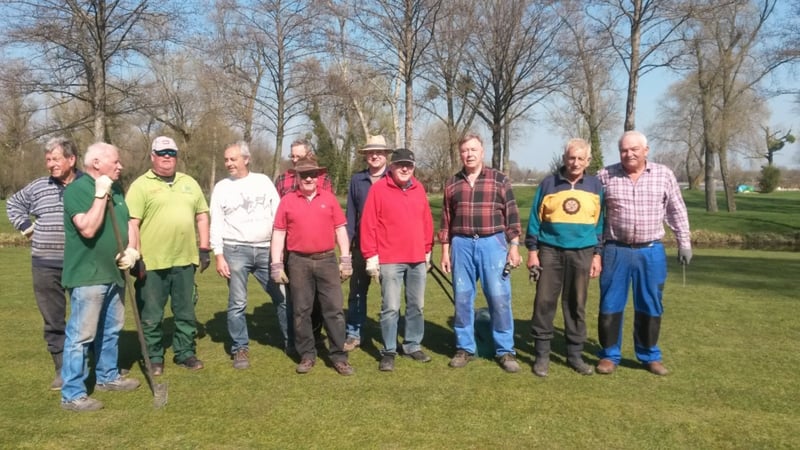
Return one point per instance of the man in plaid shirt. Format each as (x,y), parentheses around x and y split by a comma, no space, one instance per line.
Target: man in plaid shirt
(287,181)
(640,197)
(480,238)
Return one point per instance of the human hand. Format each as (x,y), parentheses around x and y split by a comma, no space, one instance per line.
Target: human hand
(277,273)
(374,268)
(127,258)
(205,259)
(345,267)
(684,256)
(28,232)
(428,261)
(535,273)
(138,270)
(102,186)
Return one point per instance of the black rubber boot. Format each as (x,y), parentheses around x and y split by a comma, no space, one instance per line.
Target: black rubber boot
(541,350)
(575,360)
(57,362)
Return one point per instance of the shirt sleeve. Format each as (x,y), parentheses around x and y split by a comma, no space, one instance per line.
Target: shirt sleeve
(534,221)
(368,240)
(18,209)
(513,227)
(444,227)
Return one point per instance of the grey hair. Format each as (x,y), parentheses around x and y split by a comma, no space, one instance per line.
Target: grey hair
(68,148)
(637,134)
(579,144)
(305,143)
(95,151)
(244,147)
(468,136)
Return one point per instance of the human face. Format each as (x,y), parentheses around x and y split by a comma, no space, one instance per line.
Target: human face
(108,163)
(402,172)
(471,153)
(633,153)
(235,162)
(576,160)
(297,152)
(164,164)
(60,167)
(308,181)
(376,159)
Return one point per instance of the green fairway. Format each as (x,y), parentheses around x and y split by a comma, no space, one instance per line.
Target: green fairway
(728,339)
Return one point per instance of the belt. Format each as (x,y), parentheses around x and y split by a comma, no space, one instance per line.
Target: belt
(320,255)
(633,245)
(476,235)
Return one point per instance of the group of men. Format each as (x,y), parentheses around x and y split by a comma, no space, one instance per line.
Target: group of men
(87,232)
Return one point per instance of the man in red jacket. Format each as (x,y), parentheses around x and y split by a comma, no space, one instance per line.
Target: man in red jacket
(396,233)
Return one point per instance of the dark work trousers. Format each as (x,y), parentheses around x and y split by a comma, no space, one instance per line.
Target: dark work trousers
(565,273)
(52,302)
(310,276)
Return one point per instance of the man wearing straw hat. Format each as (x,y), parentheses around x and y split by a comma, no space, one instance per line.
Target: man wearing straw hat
(309,223)
(375,153)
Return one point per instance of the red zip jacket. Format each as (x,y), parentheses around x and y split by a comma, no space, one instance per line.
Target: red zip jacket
(396,224)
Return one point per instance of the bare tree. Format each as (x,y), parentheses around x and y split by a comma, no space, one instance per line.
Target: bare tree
(515,64)
(774,142)
(84,50)
(643,33)
(403,29)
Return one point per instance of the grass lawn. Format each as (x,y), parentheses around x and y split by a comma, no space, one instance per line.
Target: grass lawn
(728,337)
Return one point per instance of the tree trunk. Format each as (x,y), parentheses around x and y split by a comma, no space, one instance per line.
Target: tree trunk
(633,75)
(726,181)
(497,141)
(711,191)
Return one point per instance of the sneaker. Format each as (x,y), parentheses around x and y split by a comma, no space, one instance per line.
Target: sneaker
(419,356)
(344,368)
(157,368)
(305,365)
(351,344)
(82,404)
(387,363)
(120,384)
(57,382)
(191,363)
(509,363)
(460,359)
(541,366)
(580,366)
(240,359)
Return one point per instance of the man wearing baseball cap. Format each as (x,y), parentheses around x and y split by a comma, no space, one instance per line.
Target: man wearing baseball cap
(396,235)
(166,207)
(375,154)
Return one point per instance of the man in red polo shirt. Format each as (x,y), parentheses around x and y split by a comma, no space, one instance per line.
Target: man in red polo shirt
(309,223)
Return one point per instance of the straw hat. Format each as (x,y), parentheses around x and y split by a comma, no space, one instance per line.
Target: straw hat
(375,143)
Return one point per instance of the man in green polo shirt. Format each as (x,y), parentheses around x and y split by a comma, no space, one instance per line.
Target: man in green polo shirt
(169,214)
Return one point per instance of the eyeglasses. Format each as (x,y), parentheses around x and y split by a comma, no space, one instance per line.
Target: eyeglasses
(309,174)
(170,153)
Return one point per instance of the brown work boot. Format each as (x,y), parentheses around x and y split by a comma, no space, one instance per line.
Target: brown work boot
(305,365)
(606,366)
(657,368)
(460,359)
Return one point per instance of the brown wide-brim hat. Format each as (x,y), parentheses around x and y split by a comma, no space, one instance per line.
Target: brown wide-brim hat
(308,165)
(375,143)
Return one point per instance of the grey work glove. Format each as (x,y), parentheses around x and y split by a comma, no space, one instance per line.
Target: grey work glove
(345,268)
(374,268)
(205,259)
(277,273)
(684,256)
(127,258)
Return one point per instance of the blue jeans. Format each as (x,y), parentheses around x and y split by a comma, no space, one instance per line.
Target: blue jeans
(357,299)
(645,271)
(96,318)
(242,261)
(393,278)
(482,259)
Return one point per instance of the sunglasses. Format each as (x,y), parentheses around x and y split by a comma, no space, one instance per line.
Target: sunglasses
(170,153)
(309,174)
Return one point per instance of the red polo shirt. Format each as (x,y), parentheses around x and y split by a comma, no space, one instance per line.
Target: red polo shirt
(309,224)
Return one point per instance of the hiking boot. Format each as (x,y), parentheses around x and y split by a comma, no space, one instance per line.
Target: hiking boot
(387,363)
(191,363)
(509,363)
(120,384)
(578,365)
(240,359)
(344,368)
(606,366)
(418,356)
(57,382)
(541,366)
(657,368)
(351,344)
(460,359)
(82,404)
(157,368)
(305,365)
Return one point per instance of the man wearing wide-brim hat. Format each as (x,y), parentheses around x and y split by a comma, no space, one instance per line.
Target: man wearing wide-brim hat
(309,223)
(375,153)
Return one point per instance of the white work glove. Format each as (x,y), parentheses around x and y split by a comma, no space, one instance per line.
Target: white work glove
(102,186)
(684,256)
(374,268)
(127,259)
(428,261)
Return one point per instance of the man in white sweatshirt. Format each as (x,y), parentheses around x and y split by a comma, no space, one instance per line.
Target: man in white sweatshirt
(243,208)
